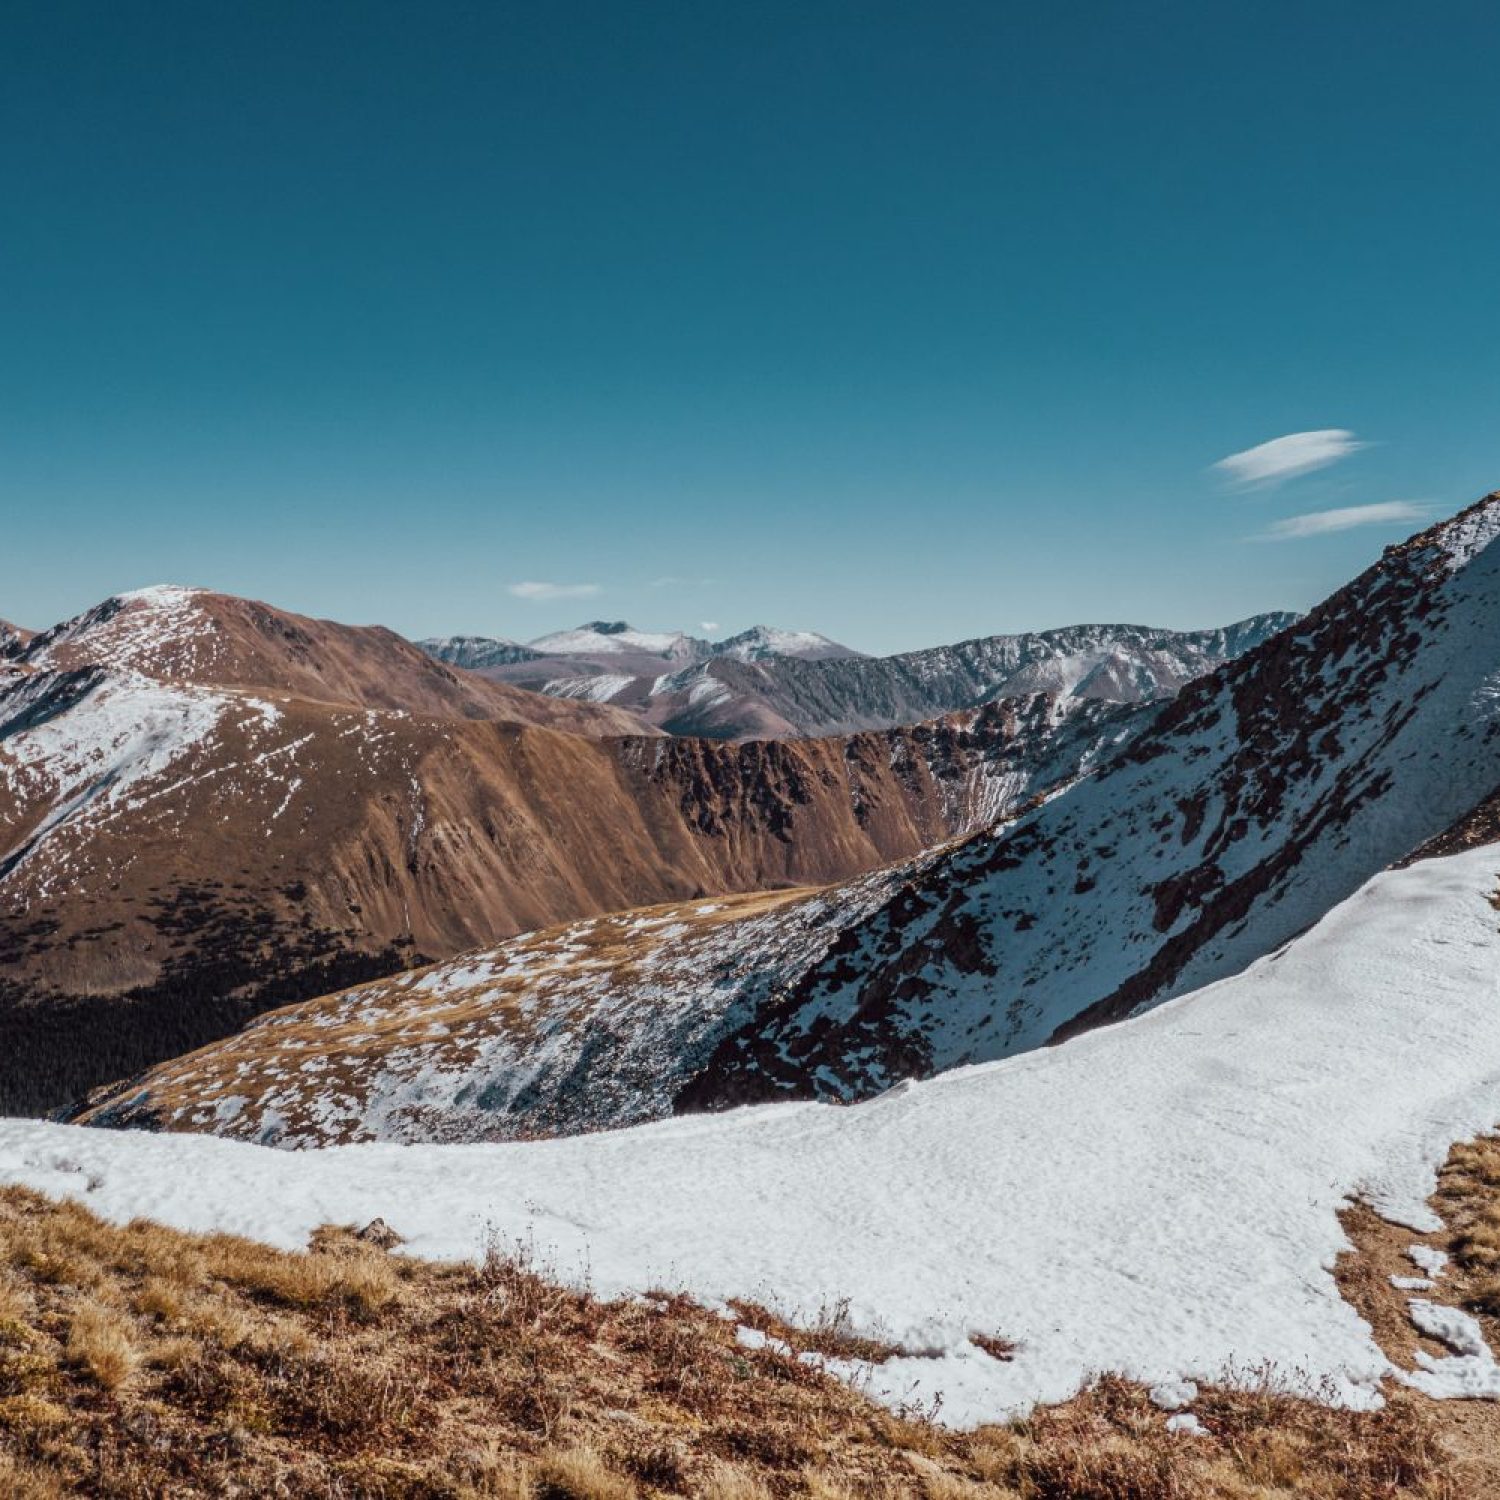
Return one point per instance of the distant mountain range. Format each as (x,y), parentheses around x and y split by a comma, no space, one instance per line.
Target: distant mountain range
(618,644)
(1218,826)
(769,683)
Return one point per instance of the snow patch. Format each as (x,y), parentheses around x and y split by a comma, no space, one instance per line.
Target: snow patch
(1173,1395)
(1470,1372)
(1425,1258)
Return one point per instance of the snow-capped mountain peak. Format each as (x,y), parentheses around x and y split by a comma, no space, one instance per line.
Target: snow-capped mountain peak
(762,641)
(617,637)
(132,631)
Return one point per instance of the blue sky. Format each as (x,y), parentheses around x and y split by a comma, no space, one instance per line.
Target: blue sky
(902,322)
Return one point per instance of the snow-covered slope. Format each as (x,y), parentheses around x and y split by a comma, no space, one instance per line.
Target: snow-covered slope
(84,748)
(769,683)
(762,642)
(1257,799)
(1157,1198)
(617,638)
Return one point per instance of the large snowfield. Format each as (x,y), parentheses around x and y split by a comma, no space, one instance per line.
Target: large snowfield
(1157,1199)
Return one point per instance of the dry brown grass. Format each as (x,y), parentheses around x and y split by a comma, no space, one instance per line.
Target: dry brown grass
(733,1484)
(828,1332)
(139,1362)
(1469,1192)
(581,1474)
(102,1341)
(20,1480)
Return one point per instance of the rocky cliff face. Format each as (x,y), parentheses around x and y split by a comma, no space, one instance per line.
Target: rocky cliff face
(208,808)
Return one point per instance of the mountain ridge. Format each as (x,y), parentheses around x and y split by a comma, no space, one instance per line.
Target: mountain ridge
(765,691)
(169,632)
(1409,727)
(1223,823)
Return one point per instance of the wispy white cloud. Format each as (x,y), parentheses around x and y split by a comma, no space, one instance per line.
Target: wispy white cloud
(532,589)
(708,624)
(1319,522)
(1286,457)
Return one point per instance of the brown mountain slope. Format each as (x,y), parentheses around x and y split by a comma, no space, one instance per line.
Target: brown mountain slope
(216,640)
(609,1009)
(177,855)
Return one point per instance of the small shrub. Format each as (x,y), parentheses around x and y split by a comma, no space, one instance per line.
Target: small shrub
(826,1487)
(368,1284)
(736,1484)
(347,1395)
(171,1354)
(493,1474)
(1111,1468)
(27,1481)
(281,1342)
(47,1257)
(580,1474)
(103,1342)
(218,1321)
(14,1303)
(524,1294)
(159,1299)
(28,1413)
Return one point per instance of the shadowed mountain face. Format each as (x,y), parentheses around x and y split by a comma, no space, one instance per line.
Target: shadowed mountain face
(778,684)
(208,807)
(1222,824)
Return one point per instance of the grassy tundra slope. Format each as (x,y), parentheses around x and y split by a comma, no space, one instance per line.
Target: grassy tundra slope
(1088,1204)
(139,1360)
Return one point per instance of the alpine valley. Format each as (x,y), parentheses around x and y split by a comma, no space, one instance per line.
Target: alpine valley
(1145,851)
